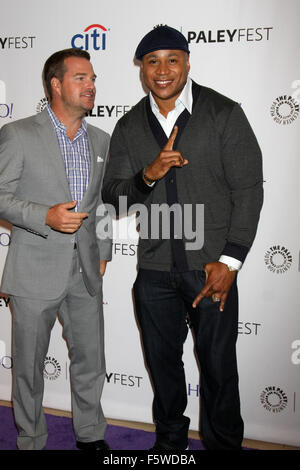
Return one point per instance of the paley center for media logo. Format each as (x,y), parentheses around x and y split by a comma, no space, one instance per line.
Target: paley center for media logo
(52,368)
(278,259)
(93,37)
(285,109)
(273,399)
(41,105)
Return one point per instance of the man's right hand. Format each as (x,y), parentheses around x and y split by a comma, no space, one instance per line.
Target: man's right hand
(166,159)
(60,217)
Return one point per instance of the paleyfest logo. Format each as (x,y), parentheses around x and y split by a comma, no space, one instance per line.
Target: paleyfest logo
(93,37)
(230,35)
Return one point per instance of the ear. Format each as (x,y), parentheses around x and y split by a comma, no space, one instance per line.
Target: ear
(188,66)
(56,85)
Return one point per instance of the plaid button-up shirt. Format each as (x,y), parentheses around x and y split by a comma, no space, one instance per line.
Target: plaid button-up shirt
(76,157)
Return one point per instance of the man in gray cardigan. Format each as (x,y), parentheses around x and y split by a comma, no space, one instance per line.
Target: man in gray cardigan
(186,146)
(51,172)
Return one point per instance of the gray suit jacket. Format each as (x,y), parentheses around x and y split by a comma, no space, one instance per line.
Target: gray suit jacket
(32,179)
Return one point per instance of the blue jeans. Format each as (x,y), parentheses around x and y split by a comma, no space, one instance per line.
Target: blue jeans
(163,304)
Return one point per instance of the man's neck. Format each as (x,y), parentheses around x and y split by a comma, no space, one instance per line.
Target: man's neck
(165,106)
(72,122)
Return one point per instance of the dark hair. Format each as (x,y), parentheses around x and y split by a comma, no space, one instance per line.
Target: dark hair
(55,67)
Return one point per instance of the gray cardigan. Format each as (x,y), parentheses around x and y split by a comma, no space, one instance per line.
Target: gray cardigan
(224,173)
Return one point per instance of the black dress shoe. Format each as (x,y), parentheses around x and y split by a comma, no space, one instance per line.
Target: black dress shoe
(158,447)
(95,445)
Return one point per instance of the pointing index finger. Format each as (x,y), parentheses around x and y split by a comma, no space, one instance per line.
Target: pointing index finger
(170,143)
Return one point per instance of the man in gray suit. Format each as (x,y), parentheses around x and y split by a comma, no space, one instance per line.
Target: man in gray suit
(51,171)
(182,146)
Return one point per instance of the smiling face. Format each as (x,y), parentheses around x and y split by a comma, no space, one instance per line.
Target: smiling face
(165,73)
(75,93)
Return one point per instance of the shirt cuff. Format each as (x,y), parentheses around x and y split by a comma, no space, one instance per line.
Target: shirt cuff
(236,251)
(150,184)
(229,261)
(141,185)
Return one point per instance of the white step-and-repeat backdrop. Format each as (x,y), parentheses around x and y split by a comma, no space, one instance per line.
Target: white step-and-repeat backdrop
(249,51)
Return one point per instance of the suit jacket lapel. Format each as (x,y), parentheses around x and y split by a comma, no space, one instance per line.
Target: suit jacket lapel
(92,168)
(51,149)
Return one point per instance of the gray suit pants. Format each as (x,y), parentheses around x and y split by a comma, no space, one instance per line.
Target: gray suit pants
(82,319)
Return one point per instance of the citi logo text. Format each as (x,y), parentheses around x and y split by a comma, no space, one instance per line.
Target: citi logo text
(93,37)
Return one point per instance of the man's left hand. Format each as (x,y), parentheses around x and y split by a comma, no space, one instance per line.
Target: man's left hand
(103,264)
(218,282)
